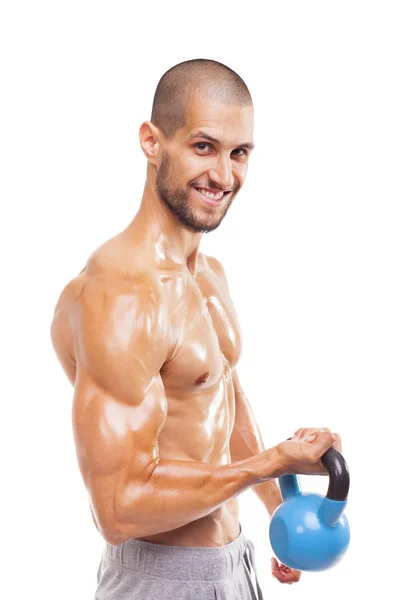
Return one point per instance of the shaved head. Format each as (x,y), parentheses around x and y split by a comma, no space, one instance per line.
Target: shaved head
(198,76)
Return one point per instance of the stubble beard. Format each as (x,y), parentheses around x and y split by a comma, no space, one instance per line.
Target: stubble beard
(177,201)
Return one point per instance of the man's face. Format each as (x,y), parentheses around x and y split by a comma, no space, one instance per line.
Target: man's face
(192,162)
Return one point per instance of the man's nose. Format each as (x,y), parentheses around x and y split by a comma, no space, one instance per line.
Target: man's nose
(221,173)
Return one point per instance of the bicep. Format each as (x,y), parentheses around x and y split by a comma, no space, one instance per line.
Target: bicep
(116,441)
(119,403)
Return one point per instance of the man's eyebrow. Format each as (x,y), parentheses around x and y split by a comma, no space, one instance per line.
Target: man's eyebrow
(206,136)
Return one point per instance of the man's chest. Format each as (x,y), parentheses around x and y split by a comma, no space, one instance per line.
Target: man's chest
(204,332)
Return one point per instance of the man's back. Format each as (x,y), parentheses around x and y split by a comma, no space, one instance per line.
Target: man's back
(185,327)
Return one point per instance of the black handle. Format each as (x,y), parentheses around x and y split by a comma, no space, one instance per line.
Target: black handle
(339,476)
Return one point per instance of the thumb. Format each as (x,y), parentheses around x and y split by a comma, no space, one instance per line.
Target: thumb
(274,563)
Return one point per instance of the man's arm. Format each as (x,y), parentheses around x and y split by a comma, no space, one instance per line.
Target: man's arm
(246,438)
(119,409)
(246,441)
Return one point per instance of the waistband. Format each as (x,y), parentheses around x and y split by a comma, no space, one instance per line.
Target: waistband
(180,562)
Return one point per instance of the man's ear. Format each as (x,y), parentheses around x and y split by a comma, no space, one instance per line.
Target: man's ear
(149,138)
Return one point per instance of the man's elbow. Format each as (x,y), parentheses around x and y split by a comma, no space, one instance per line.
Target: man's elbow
(114,538)
(109,529)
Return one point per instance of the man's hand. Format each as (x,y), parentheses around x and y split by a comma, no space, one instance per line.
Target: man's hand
(309,434)
(302,453)
(284,574)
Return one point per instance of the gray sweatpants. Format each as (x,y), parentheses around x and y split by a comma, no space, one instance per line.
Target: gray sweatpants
(143,570)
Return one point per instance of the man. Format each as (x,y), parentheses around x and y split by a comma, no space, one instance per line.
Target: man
(148,335)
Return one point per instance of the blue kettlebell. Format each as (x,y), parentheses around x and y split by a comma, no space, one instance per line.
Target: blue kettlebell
(309,532)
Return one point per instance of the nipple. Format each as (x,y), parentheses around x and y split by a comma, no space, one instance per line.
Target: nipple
(203,378)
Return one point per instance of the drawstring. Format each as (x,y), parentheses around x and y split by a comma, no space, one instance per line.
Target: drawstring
(252,562)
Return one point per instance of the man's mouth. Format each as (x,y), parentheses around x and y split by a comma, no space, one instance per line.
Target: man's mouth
(215,197)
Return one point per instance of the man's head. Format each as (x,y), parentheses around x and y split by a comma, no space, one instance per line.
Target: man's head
(199,138)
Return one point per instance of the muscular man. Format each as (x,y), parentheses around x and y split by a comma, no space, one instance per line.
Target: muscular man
(148,335)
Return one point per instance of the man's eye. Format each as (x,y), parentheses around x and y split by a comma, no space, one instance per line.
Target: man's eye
(202,144)
(242,150)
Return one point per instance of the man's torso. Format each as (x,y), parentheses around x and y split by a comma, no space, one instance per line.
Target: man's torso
(205,345)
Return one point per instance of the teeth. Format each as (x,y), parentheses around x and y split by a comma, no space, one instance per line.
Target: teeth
(210,195)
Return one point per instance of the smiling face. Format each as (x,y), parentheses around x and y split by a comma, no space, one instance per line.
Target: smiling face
(204,165)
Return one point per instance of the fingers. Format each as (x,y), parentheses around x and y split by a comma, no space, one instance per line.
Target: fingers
(304,432)
(321,444)
(310,435)
(338,442)
(284,574)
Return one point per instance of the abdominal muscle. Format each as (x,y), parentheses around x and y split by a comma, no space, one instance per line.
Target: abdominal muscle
(221,526)
(200,418)
(218,528)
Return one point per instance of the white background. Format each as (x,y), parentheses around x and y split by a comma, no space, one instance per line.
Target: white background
(310,246)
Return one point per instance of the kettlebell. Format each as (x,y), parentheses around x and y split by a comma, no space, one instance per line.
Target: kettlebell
(309,532)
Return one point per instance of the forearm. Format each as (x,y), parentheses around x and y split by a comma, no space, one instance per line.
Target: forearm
(180,492)
(243,445)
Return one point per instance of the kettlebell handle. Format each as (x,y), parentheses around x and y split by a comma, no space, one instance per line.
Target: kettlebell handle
(339,476)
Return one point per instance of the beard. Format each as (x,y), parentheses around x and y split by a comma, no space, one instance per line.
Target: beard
(177,201)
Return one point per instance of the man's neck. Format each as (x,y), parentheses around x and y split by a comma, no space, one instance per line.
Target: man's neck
(172,240)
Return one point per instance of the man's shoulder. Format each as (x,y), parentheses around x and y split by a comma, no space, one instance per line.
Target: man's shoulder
(111,292)
(106,312)
(216,267)
(103,291)
(118,267)
(214,263)
(118,258)
(110,306)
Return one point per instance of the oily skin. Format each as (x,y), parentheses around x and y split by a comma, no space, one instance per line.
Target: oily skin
(149,337)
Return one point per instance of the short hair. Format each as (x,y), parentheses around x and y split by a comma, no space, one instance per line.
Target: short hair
(207,77)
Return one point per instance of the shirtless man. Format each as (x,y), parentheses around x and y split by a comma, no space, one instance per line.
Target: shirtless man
(147,334)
